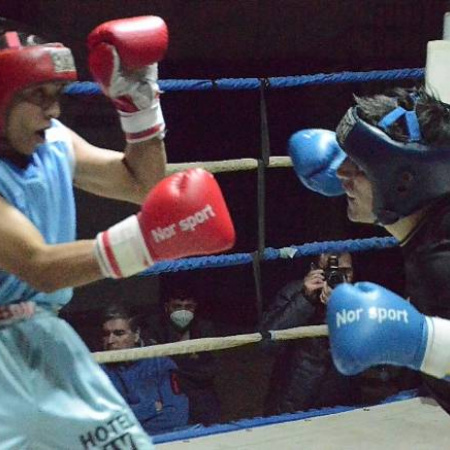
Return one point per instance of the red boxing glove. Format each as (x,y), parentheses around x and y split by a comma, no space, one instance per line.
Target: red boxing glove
(123,56)
(184,215)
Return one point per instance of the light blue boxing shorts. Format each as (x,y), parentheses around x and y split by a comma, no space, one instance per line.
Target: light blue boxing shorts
(54,396)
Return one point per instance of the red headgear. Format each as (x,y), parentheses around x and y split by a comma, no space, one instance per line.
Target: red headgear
(22,67)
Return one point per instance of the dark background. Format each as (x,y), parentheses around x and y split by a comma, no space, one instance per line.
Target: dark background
(232,38)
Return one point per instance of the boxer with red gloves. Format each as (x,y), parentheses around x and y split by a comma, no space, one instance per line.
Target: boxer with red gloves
(50,377)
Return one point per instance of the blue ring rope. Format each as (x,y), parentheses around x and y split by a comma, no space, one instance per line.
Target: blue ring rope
(90,88)
(309,249)
(270,254)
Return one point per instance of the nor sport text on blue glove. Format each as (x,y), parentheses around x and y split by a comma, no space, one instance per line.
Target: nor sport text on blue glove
(370,325)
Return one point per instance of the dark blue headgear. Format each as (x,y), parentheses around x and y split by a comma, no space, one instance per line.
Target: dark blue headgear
(405,175)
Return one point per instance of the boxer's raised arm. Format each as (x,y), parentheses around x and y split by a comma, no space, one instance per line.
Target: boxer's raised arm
(123,59)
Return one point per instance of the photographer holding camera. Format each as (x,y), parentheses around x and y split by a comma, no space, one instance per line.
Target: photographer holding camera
(324,276)
(303,375)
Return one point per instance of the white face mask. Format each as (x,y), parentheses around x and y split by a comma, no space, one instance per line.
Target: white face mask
(182,317)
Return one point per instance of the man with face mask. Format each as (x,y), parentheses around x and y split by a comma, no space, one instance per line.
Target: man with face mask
(181,312)
(196,371)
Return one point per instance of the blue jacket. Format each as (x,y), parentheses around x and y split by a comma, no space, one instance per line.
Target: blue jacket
(143,383)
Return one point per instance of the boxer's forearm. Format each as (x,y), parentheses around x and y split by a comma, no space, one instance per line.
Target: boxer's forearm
(146,163)
(52,267)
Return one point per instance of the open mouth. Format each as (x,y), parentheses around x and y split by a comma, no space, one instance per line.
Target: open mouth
(40,135)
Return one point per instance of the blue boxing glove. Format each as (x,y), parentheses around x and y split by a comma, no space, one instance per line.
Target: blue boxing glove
(370,325)
(316,156)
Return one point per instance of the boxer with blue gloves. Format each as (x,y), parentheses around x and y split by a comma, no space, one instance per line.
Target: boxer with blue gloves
(370,325)
(395,174)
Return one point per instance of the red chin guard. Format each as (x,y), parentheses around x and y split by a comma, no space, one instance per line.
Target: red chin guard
(22,67)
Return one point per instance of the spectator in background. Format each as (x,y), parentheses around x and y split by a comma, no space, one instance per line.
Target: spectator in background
(150,386)
(304,376)
(196,371)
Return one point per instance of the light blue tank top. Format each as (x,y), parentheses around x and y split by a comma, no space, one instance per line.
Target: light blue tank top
(43,192)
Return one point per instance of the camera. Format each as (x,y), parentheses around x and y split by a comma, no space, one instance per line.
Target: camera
(333,274)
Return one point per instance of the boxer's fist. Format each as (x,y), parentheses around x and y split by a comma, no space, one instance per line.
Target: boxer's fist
(139,41)
(183,215)
(186,215)
(123,56)
(370,325)
(316,156)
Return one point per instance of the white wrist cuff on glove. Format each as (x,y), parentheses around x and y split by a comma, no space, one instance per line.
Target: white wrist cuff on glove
(121,250)
(144,124)
(436,361)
